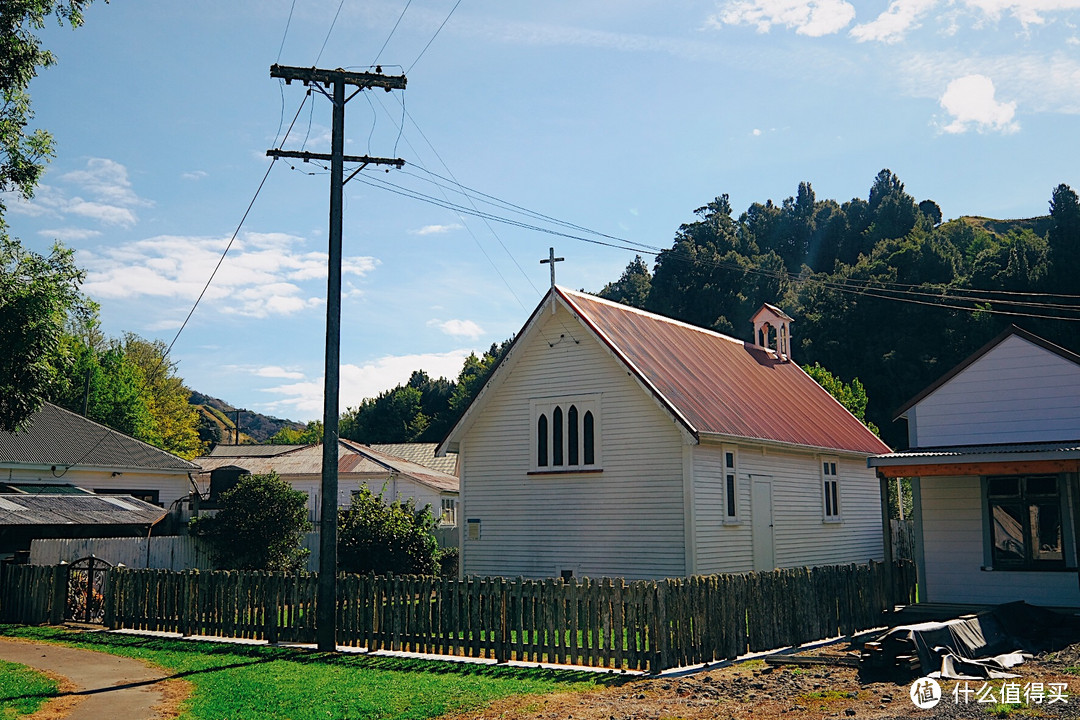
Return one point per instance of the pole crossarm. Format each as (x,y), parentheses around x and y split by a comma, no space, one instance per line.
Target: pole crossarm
(329,77)
(309,156)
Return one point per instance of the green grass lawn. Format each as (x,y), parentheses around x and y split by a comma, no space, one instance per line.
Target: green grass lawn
(22,690)
(244,681)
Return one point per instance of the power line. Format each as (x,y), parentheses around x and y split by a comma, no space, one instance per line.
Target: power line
(327,38)
(433,37)
(286,33)
(392,31)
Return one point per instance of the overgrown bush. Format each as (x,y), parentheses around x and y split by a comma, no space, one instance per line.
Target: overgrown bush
(260,525)
(382,538)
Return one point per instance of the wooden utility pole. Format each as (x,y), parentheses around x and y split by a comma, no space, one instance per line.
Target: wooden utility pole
(336,81)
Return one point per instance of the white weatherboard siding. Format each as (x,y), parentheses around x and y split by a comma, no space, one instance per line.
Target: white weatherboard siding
(720,547)
(800,536)
(1017,392)
(170,486)
(399,488)
(952,527)
(626,521)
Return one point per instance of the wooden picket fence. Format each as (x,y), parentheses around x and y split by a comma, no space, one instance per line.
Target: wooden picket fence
(32,595)
(610,623)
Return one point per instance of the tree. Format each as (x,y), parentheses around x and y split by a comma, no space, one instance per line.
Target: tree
(851,395)
(37,296)
(632,288)
(259,527)
(1064,237)
(382,538)
(36,293)
(23,154)
(310,435)
(175,425)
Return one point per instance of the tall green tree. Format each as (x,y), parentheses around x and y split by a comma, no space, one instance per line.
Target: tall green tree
(175,421)
(632,287)
(1064,237)
(38,294)
(381,537)
(851,395)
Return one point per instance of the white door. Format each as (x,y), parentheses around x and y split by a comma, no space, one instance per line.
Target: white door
(762,522)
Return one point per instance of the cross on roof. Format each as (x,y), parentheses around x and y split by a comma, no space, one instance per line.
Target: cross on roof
(551,259)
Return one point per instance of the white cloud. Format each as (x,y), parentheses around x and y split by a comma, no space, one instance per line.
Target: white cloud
(305,399)
(891,25)
(274,371)
(112,201)
(458,328)
(809,17)
(1027,12)
(436,229)
(756,132)
(264,273)
(971,103)
(194,175)
(69,234)
(102,212)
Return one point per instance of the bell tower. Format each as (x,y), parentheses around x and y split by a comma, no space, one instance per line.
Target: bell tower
(772,330)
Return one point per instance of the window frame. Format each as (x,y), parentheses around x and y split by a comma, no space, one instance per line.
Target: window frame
(448,511)
(832,505)
(1024,500)
(588,405)
(730,482)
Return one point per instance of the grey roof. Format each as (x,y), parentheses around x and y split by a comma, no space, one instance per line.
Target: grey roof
(353,459)
(421,454)
(58,437)
(1069,450)
(252,450)
(77,510)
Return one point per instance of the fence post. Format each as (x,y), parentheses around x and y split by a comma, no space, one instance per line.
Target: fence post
(59,594)
(661,630)
(110,599)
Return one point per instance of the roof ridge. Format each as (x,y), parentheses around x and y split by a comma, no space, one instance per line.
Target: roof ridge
(655,316)
(114,433)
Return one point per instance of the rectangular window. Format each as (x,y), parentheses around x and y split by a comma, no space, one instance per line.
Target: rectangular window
(1025,522)
(731,485)
(449,512)
(830,490)
(566,434)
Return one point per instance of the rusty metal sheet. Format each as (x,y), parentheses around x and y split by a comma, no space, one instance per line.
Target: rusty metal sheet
(721,385)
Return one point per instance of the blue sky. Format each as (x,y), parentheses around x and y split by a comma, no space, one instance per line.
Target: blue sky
(621,117)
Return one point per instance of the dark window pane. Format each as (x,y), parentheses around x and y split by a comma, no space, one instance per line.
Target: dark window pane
(834,488)
(1008,533)
(590,439)
(730,496)
(541,441)
(832,469)
(1004,486)
(1046,541)
(729,460)
(1042,486)
(826,468)
(556,437)
(829,512)
(572,435)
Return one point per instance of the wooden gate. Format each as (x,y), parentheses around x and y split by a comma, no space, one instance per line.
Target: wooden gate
(86,590)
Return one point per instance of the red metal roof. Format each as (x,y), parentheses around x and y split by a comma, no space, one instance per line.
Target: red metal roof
(717,384)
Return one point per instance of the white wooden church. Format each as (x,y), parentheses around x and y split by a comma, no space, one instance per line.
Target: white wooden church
(614,442)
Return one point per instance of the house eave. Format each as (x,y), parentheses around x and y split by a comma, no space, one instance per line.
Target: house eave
(59,467)
(716,438)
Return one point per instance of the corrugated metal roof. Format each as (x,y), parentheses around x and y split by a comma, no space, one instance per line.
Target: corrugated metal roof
(720,385)
(252,450)
(352,458)
(58,437)
(421,454)
(42,489)
(77,510)
(1063,449)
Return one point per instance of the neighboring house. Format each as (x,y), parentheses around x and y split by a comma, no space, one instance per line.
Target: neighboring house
(994,450)
(613,442)
(301,467)
(62,456)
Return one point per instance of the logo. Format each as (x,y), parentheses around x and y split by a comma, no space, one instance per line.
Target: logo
(925,693)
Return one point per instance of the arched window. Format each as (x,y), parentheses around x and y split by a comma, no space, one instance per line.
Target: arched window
(572,436)
(556,436)
(590,438)
(541,441)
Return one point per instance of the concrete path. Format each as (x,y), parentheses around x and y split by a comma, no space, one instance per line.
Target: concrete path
(106,686)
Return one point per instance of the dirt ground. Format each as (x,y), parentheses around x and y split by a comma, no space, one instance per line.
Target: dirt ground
(756,690)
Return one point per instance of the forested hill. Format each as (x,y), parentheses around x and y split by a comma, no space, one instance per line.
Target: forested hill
(880,289)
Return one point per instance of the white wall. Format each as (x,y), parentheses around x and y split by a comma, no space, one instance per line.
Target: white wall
(170,486)
(720,547)
(625,521)
(400,488)
(1017,392)
(952,531)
